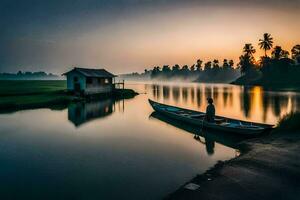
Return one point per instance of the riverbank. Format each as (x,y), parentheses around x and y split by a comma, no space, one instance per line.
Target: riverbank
(268,168)
(277,79)
(22,95)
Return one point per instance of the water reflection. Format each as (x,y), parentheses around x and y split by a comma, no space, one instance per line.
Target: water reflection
(227,96)
(198,96)
(185,94)
(82,112)
(246,103)
(111,148)
(207,138)
(166,92)
(215,92)
(209,144)
(176,93)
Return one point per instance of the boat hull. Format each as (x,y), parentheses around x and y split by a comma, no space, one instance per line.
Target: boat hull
(258,128)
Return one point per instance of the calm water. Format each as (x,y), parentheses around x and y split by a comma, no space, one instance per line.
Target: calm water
(254,103)
(118,150)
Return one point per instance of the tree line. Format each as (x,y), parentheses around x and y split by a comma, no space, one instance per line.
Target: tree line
(200,71)
(28,76)
(280,65)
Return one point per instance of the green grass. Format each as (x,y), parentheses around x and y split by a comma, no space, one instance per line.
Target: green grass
(290,122)
(15,88)
(18,95)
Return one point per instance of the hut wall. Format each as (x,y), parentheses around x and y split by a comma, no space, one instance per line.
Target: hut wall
(98,85)
(71,80)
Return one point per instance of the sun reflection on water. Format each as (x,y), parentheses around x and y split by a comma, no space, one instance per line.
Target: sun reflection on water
(245,103)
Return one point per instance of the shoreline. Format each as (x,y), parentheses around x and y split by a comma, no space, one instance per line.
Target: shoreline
(267,168)
(25,95)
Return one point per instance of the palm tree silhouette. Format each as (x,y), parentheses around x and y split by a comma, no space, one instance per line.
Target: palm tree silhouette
(249,50)
(199,65)
(207,66)
(285,54)
(225,63)
(176,68)
(245,64)
(231,63)
(192,68)
(185,68)
(296,53)
(215,63)
(266,43)
(166,69)
(278,53)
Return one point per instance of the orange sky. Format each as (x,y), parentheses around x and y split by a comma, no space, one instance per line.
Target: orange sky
(143,38)
(187,34)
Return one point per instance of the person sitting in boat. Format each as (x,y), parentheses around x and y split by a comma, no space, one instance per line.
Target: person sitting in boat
(210,111)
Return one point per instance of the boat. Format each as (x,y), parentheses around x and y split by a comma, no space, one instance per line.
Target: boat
(220,123)
(208,136)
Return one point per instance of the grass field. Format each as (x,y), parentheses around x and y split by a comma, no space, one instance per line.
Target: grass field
(19,95)
(15,88)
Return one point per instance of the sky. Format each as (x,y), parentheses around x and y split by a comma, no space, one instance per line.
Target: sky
(125,36)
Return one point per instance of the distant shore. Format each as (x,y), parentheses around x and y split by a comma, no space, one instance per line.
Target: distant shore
(23,95)
(268,168)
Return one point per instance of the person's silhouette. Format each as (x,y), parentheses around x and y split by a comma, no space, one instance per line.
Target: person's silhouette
(210,111)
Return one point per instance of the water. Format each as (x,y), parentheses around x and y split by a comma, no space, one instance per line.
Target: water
(245,103)
(121,150)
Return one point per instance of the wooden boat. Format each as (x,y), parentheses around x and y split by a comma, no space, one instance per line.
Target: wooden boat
(221,123)
(207,136)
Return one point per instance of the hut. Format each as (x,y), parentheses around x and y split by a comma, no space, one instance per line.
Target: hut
(90,81)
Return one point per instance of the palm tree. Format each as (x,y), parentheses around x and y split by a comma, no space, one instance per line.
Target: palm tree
(215,63)
(207,66)
(225,64)
(176,68)
(155,71)
(285,54)
(231,63)
(249,50)
(166,69)
(266,43)
(185,68)
(296,53)
(276,52)
(279,53)
(246,64)
(192,68)
(265,64)
(199,64)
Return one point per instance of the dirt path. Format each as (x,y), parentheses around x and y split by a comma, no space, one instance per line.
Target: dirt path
(269,168)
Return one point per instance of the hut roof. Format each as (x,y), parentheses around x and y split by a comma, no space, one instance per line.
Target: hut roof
(99,73)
